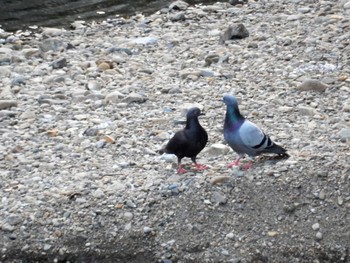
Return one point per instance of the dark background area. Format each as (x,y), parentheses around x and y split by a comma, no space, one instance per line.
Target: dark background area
(17,14)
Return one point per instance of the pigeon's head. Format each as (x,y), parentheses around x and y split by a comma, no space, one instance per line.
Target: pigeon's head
(193,112)
(230,100)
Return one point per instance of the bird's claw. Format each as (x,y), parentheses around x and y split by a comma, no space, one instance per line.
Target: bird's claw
(247,166)
(181,170)
(235,163)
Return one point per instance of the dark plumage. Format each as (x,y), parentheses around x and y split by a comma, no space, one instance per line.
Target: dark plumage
(245,137)
(188,142)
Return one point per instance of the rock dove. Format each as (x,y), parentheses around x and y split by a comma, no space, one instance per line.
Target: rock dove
(188,142)
(245,137)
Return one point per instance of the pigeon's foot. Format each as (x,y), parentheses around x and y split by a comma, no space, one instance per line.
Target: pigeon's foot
(181,170)
(201,167)
(247,165)
(235,163)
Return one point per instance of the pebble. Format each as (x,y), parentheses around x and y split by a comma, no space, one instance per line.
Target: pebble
(344,134)
(147,230)
(307,111)
(316,226)
(135,97)
(59,63)
(322,195)
(179,5)
(219,179)
(114,96)
(130,204)
(230,236)
(28,115)
(319,236)
(128,216)
(6,104)
(312,85)
(237,31)
(218,198)
(272,233)
(179,16)
(53,44)
(217,149)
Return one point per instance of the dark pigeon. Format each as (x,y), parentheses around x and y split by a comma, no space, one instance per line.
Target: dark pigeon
(245,137)
(188,142)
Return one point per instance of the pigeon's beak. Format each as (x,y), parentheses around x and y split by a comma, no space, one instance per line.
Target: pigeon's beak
(202,113)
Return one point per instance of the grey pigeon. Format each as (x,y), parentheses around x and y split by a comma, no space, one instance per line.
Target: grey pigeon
(188,142)
(245,137)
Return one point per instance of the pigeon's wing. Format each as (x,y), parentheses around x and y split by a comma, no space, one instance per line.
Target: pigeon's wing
(178,143)
(257,141)
(253,137)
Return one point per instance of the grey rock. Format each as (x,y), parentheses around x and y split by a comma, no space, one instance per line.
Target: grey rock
(144,40)
(218,198)
(217,149)
(312,85)
(316,226)
(46,247)
(135,98)
(93,131)
(178,5)
(7,113)
(59,63)
(130,204)
(206,73)
(98,193)
(304,10)
(128,216)
(19,80)
(31,52)
(51,44)
(237,2)
(344,134)
(5,104)
(308,111)
(180,16)
(28,115)
(5,60)
(51,31)
(322,195)
(147,230)
(7,227)
(121,50)
(114,96)
(237,31)
(319,236)
(14,220)
(230,236)
(211,59)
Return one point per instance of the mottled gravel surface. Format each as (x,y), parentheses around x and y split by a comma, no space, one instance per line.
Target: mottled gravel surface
(84,111)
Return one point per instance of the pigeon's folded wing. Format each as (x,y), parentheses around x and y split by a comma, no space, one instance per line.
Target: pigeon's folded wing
(252,136)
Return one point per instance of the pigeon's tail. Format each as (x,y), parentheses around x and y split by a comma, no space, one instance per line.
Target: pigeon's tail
(274,148)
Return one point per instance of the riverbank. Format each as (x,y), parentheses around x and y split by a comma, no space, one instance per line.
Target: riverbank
(83,113)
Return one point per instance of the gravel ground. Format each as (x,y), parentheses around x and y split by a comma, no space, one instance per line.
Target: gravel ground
(84,111)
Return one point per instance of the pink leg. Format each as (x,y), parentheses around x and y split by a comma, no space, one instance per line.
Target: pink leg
(235,163)
(247,165)
(201,167)
(181,170)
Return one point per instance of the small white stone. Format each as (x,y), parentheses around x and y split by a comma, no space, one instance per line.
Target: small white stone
(147,230)
(316,226)
(230,236)
(217,149)
(319,235)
